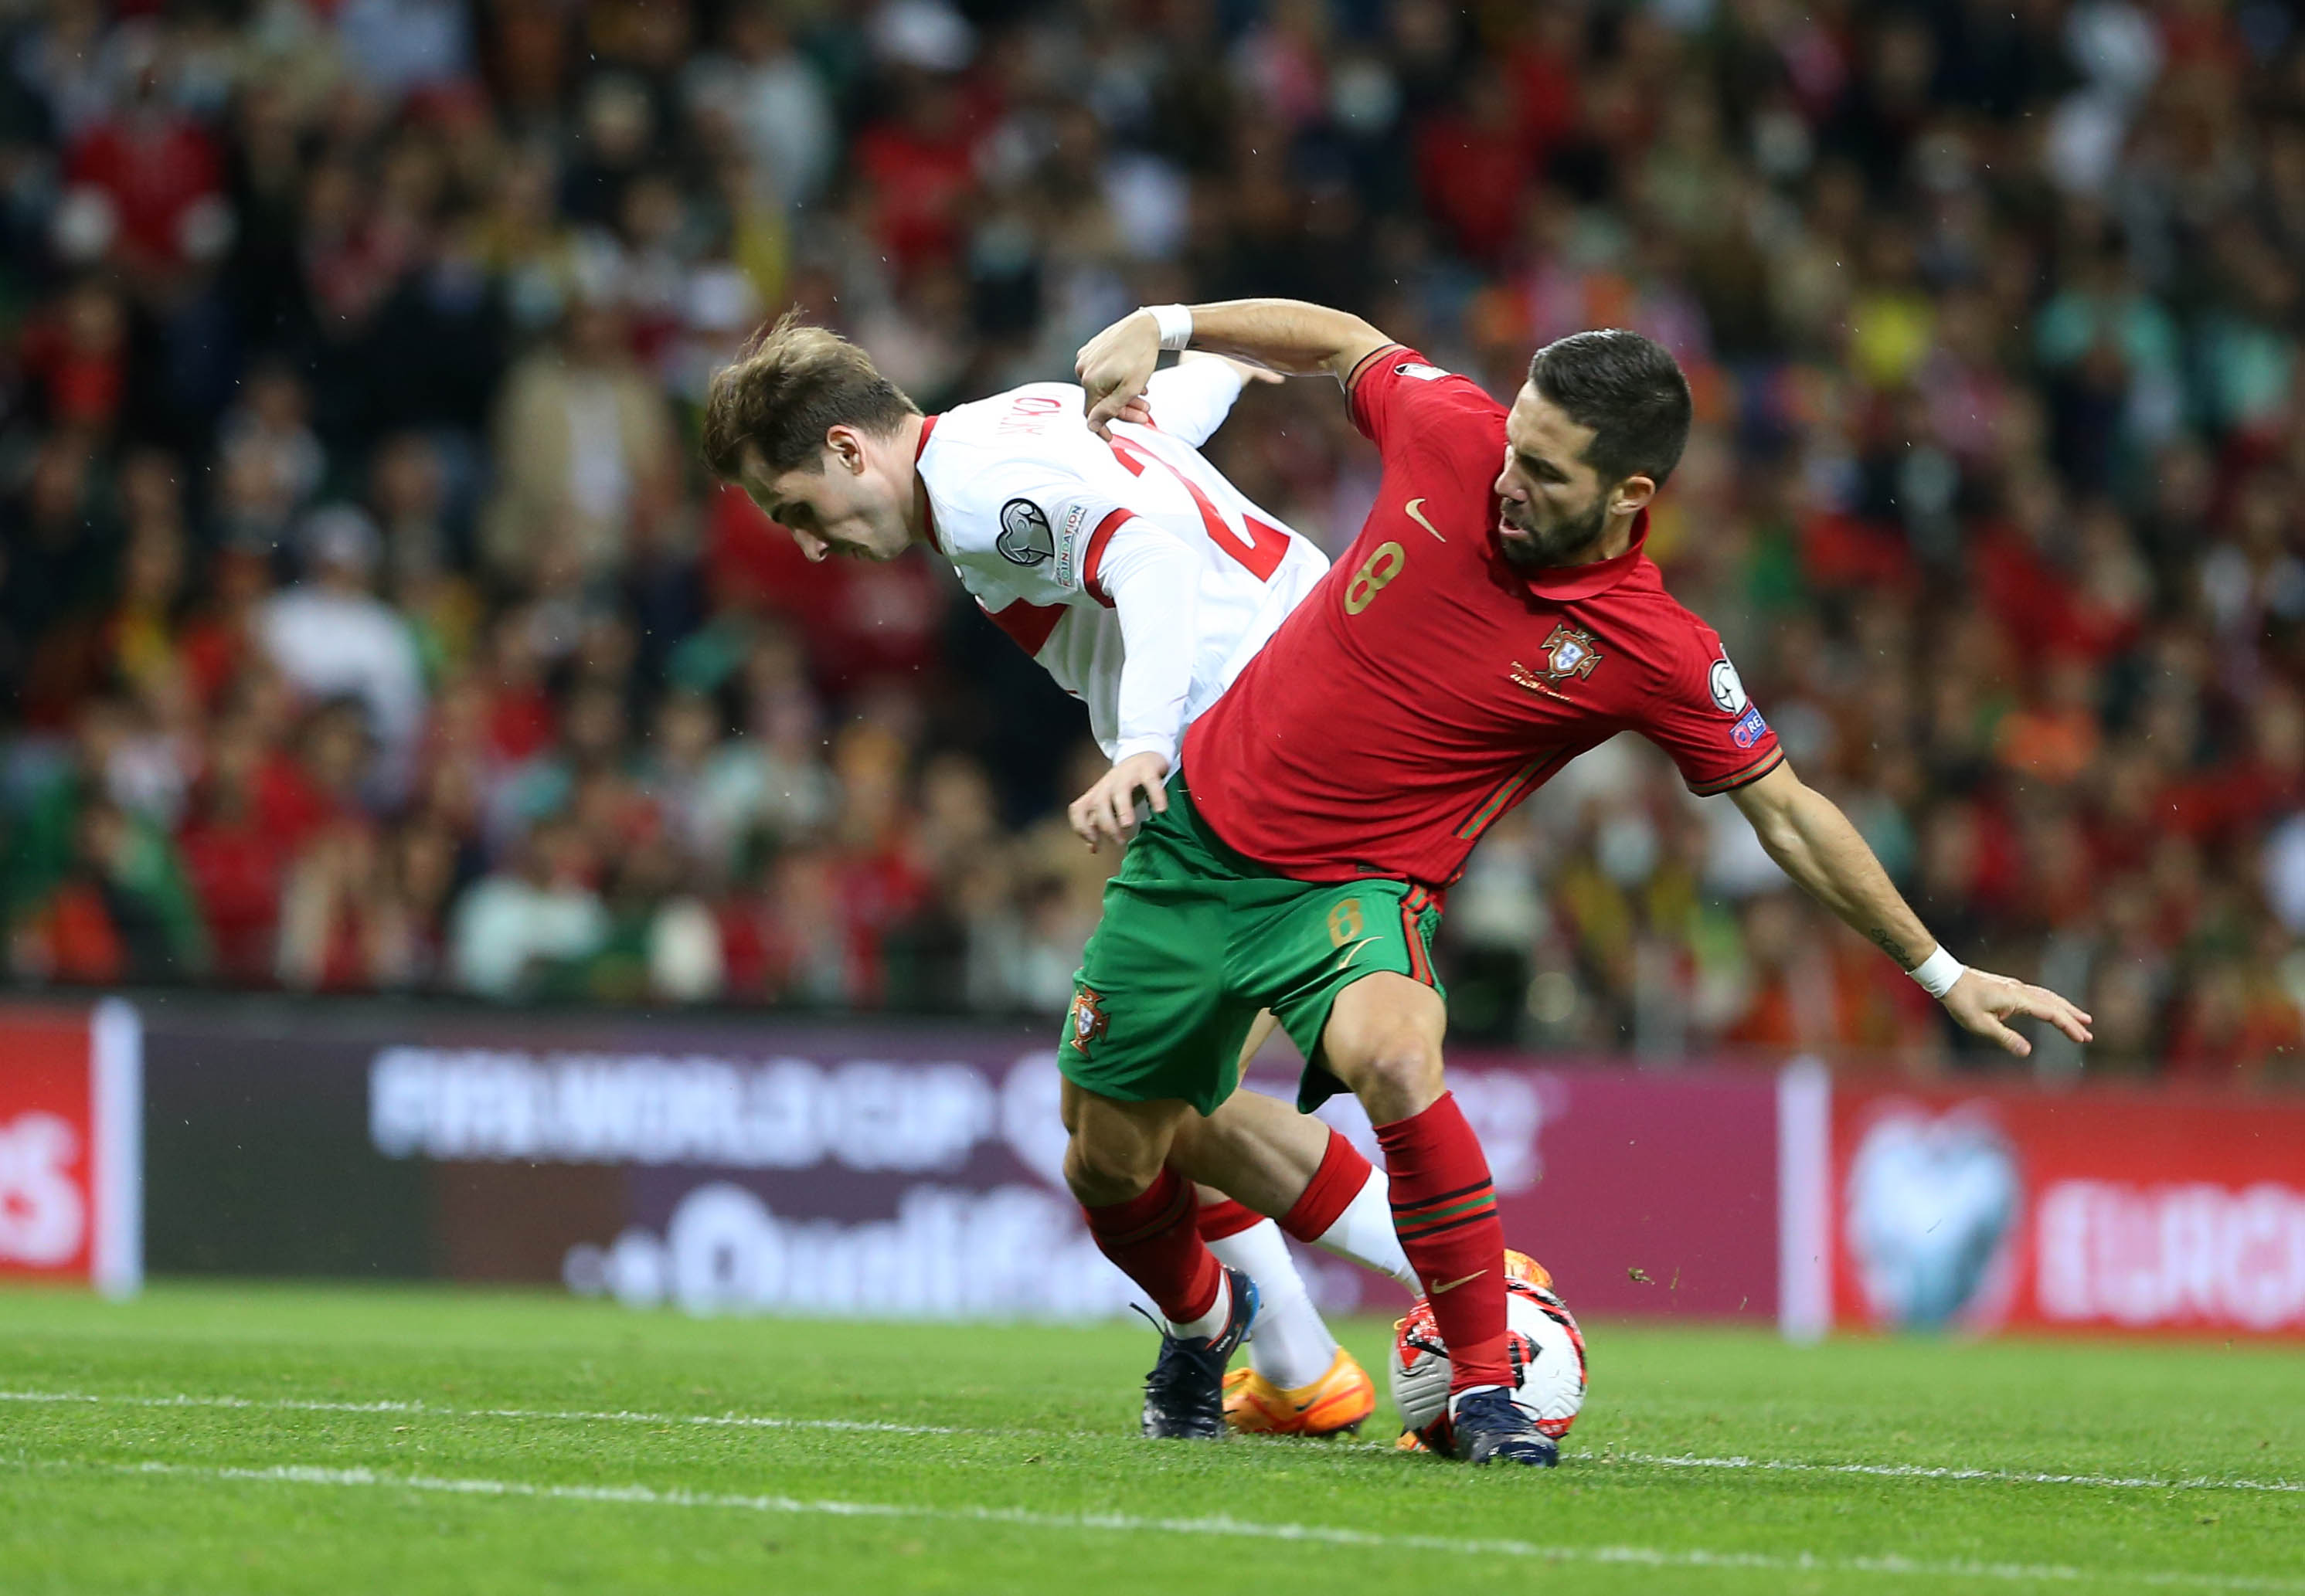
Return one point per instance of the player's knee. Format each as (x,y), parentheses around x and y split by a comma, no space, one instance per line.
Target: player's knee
(1101,1170)
(1399,1082)
(1383,1040)
(1395,1073)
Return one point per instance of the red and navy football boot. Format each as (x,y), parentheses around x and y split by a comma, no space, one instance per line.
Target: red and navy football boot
(1491,1427)
(1184,1395)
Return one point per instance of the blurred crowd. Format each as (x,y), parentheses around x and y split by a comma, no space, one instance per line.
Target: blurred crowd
(366,623)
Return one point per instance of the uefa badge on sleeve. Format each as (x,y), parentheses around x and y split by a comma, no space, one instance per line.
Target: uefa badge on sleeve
(1025,538)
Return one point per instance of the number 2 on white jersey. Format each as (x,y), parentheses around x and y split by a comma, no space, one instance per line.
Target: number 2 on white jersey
(1268,544)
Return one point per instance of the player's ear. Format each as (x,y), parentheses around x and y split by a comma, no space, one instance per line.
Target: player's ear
(1633,494)
(844,447)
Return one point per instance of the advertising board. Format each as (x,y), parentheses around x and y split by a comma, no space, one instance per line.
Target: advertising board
(2098,1209)
(70,1118)
(882,1170)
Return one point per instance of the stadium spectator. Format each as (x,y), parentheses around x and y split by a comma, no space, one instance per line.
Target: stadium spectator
(331,637)
(96,890)
(517,930)
(1994,326)
(584,452)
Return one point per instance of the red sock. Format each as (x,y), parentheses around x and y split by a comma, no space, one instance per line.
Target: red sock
(1153,1241)
(1445,1210)
(1223,1217)
(1343,1172)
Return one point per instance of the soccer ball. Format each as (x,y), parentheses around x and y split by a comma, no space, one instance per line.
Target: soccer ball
(1548,1361)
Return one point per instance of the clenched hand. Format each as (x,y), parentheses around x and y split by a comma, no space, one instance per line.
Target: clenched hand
(1114,367)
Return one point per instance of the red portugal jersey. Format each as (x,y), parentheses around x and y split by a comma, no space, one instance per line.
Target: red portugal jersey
(1426,686)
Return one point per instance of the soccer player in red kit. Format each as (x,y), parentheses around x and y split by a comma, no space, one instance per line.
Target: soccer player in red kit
(1496,616)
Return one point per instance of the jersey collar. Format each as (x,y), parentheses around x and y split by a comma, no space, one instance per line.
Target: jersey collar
(1562,584)
(927,509)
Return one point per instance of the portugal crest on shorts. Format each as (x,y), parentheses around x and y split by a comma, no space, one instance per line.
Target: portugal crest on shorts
(1569,653)
(1087,1019)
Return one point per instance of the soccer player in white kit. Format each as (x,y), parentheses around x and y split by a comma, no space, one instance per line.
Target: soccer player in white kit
(1142,580)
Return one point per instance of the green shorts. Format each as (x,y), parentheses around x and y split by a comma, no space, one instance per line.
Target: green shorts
(1195,939)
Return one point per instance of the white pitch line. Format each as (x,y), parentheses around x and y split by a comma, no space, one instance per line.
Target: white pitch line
(291,1405)
(1884,1470)
(1222,1525)
(1907,1471)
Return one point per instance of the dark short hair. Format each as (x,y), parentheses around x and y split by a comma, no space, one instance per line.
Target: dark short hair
(786,386)
(1629,390)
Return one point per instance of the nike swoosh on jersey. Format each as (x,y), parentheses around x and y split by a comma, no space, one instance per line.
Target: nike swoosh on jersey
(1452,1284)
(1417,516)
(1352,951)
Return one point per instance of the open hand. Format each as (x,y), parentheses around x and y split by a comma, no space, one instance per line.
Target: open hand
(1981,1000)
(1108,809)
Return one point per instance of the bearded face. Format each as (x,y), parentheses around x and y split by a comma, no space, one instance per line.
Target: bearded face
(1533,536)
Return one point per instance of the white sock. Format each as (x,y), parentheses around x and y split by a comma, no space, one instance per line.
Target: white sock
(1210,1322)
(1290,1346)
(1363,1233)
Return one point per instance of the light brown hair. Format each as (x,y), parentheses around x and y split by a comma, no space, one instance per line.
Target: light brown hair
(789,384)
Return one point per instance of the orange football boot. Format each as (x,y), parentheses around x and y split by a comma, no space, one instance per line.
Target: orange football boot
(1333,1405)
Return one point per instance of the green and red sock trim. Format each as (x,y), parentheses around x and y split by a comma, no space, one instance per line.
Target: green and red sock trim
(1467,1205)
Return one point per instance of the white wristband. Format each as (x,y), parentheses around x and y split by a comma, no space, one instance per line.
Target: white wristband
(1176,324)
(1939,971)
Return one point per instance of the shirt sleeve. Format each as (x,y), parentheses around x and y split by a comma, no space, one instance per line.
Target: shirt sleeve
(1698,713)
(1191,399)
(1154,583)
(1040,529)
(1406,405)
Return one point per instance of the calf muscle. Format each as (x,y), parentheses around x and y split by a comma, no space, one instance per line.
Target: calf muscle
(1256,1149)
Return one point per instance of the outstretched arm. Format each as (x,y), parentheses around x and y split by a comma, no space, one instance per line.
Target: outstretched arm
(1190,400)
(1289,335)
(1813,842)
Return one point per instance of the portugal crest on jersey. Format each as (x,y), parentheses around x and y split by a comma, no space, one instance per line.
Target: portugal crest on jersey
(1087,1023)
(1025,537)
(1569,653)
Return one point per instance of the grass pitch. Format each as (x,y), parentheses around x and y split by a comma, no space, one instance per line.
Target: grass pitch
(269,1440)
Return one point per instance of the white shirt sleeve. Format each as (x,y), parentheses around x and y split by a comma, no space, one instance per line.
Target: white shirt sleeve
(1155,583)
(1191,399)
(1028,525)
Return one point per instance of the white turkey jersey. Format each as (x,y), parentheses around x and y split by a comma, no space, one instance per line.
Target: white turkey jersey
(1076,546)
